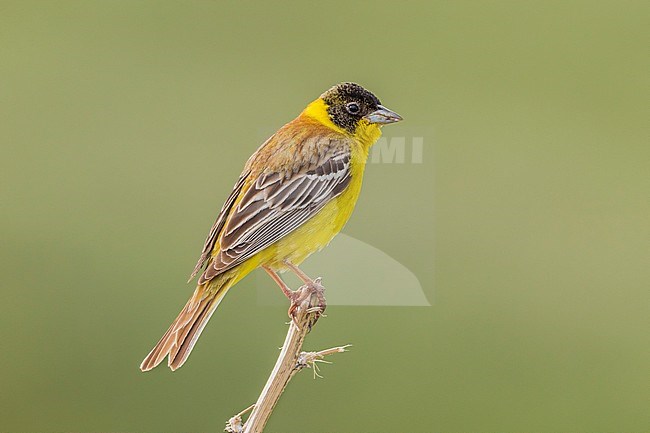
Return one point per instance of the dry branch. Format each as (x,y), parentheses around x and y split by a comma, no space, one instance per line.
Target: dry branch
(308,307)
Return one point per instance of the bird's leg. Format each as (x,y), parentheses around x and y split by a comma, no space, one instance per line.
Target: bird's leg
(313,284)
(299,273)
(292,295)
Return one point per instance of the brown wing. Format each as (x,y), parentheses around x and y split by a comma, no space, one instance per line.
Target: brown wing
(275,204)
(218,225)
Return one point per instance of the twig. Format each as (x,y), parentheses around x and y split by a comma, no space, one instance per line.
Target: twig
(235,424)
(310,359)
(307,308)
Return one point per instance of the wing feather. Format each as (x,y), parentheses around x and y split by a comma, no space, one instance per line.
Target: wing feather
(274,205)
(218,224)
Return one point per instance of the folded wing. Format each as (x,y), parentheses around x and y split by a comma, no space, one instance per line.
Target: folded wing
(274,205)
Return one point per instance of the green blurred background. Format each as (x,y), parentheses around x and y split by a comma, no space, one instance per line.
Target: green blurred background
(124,124)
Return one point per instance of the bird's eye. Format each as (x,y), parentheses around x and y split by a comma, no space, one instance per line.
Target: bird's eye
(353,108)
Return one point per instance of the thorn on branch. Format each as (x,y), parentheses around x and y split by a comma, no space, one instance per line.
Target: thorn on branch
(235,424)
(310,359)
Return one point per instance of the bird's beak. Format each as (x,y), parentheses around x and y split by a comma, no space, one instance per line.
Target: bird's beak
(382,116)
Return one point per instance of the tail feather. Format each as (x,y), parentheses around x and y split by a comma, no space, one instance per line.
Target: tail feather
(180,338)
(180,352)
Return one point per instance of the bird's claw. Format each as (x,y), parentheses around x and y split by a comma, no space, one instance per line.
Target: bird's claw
(311,291)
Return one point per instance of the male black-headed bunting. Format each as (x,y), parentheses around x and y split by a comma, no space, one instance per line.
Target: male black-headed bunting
(295,194)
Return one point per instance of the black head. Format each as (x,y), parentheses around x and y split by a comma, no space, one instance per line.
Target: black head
(348,103)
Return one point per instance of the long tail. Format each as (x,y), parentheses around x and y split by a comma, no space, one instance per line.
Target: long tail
(180,338)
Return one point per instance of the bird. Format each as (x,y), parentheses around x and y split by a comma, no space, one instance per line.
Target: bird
(296,192)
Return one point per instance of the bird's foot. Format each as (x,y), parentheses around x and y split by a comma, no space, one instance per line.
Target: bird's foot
(311,296)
